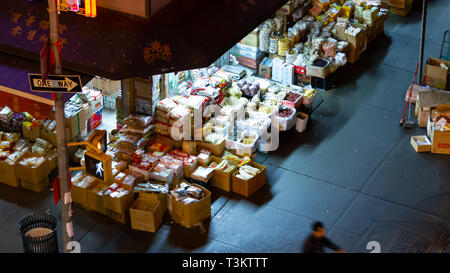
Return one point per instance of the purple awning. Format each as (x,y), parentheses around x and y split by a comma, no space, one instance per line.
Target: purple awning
(14,75)
(185,34)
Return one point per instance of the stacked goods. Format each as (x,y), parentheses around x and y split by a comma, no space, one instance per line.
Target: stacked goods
(41,147)
(179,116)
(79,111)
(6,116)
(247,55)
(31,128)
(48,131)
(119,112)
(126,145)
(138,125)
(143,163)
(11,150)
(310,36)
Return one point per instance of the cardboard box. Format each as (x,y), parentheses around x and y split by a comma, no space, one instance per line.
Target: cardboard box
(118,217)
(435,75)
(33,186)
(221,179)
(397,3)
(216,150)
(427,101)
(252,39)
(119,205)
(31,133)
(265,68)
(421,144)
(402,11)
(78,122)
(79,193)
(440,139)
(147,212)
(8,173)
(316,71)
(191,214)
(96,198)
(248,187)
(32,174)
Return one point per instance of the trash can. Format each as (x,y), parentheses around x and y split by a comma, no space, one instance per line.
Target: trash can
(38,232)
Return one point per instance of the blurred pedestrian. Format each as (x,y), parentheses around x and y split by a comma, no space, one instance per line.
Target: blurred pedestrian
(318,240)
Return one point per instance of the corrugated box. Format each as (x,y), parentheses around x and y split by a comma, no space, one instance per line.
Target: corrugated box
(96,198)
(119,205)
(435,75)
(191,214)
(216,150)
(8,173)
(32,174)
(79,192)
(427,101)
(265,68)
(248,187)
(252,39)
(440,139)
(221,179)
(421,144)
(147,212)
(33,186)
(317,71)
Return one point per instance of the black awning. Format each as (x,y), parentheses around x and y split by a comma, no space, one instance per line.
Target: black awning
(14,77)
(185,34)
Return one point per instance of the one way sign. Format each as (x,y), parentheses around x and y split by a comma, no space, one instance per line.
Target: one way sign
(55,83)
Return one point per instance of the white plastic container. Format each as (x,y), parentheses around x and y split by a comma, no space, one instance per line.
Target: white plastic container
(301,121)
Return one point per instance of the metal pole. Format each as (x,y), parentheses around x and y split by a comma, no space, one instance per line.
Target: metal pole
(422,40)
(63,166)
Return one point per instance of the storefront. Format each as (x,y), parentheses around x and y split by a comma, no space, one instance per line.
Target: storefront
(184,133)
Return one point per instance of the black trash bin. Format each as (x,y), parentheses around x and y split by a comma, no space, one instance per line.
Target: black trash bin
(38,232)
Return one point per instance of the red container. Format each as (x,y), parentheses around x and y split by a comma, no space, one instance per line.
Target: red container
(96,119)
(300,70)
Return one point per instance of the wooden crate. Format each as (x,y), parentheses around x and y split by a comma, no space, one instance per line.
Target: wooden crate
(248,187)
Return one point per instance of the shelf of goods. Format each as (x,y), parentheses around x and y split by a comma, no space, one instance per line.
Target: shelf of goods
(309,40)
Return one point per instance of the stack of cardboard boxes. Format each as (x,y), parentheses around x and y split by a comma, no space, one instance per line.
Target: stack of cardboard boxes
(247,51)
(429,105)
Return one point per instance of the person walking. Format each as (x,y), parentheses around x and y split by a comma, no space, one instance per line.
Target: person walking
(318,240)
